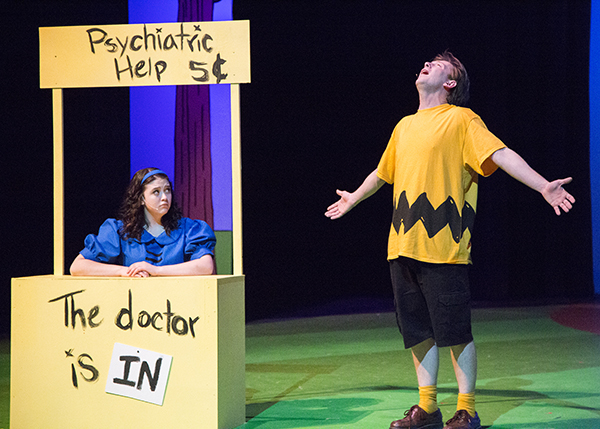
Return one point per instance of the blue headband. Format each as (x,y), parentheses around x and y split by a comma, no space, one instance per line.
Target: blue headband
(152,173)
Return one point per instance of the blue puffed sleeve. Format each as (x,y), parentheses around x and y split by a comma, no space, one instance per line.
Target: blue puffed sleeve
(106,246)
(200,239)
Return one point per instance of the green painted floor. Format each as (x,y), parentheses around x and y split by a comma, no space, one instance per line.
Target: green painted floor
(352,372)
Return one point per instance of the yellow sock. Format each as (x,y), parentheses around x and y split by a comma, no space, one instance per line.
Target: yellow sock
(428,398)
(466,401)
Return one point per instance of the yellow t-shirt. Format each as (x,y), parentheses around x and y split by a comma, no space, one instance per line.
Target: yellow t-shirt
(433,159)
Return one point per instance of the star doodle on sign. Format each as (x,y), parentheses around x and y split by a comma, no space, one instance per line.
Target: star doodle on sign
(159,30)
(69,353)
(197,27)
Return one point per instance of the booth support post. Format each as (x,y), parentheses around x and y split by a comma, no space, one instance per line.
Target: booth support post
(58,138)
(236,180)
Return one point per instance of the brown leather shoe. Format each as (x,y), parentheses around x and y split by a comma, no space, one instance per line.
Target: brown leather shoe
(463,420)
(418,418)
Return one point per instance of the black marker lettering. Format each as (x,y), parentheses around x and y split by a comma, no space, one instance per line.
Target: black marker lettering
(169,315)
(128,360)
(170,43)
(128,68)
(125,312)
(184,328)
(182,36)
(74,376)
(147,36)
(90,368)
(192,322)
(144,319)
(123,45)
(133,46)
(205,39)
(110,46)
(154,317)
(160,68)
(195,66)
(140,65)
(158,31)
(191,42)
(217,69)
(93,313)
(152,379)
(95,41)
(73,312)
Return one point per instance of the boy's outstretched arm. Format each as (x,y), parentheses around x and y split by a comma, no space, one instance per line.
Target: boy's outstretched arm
(511,162)
(348,200)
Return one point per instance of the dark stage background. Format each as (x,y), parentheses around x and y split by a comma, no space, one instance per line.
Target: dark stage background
(330,79)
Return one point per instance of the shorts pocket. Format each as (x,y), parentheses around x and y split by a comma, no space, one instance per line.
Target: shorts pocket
(453,319)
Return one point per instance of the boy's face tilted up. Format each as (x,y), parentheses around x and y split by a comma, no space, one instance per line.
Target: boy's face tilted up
(435,75)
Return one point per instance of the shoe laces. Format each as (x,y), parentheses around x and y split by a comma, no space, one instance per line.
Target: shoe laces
(461,415)
(409,412)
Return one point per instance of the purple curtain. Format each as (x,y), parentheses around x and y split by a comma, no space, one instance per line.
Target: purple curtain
(193,170)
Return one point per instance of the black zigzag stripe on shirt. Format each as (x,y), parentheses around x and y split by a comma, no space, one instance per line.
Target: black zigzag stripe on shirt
(433,219)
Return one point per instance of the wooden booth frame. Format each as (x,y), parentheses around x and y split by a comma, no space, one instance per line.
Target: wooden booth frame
(66,330)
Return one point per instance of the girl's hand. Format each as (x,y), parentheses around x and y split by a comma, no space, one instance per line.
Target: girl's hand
(142,269)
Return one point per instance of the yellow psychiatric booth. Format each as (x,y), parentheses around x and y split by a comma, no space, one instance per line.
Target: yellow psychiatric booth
(158,352)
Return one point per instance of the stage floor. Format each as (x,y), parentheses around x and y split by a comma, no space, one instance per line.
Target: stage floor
(352,371)
(539,367)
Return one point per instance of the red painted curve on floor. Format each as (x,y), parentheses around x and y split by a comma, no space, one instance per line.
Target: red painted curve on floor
(584,317)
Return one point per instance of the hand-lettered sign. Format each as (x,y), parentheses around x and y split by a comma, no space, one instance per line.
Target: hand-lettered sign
(182,53)
(85,346)
(138,373)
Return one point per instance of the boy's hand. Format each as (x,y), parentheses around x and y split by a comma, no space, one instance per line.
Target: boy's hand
(341,207)
(557,197)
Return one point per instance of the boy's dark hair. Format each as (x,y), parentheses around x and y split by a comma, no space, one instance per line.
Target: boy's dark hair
(459,95)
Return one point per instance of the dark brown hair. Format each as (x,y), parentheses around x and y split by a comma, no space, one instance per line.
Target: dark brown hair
(132,209)
(459,95)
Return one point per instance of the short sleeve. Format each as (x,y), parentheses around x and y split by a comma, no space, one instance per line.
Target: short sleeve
(479,146)
(106,246)
(200,239)
(387,164)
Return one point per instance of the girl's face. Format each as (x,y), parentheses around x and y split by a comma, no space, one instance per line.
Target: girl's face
(157,198)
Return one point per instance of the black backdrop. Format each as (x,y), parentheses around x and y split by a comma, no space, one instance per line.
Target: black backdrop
(330,79)
(96,127)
